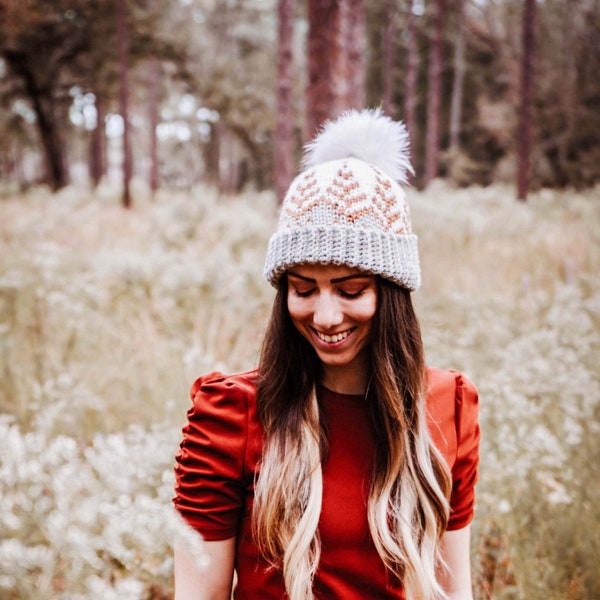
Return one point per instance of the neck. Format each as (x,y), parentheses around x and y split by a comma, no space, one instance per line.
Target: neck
(344,380)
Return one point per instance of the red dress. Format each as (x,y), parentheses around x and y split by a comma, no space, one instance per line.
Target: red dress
(217,461)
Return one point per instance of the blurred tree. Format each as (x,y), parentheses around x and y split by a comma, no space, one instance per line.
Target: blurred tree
(223,56)
(336,67)
(51,48)
(326,83)
(98,157)
(565,143)
(14,131)
(283,159)
(158,62)
(567,99)
(434,90)
(236,84)
(39,42)
(459,76)
(153,107)
(412,69)
(123,52)
(525,131)
(355,48)
(487,123)
(387,56)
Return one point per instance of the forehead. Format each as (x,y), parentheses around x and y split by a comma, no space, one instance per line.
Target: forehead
(326,271)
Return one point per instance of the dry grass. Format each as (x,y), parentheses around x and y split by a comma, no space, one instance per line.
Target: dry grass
(106,316)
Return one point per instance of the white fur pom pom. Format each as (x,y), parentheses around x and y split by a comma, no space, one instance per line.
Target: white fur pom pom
(368,135)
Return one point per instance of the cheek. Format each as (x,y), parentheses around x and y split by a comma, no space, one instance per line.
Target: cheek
(298,309)
(366,311)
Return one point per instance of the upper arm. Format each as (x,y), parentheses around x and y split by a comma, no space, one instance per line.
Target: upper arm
(456,578)
(212,473)
(208,579)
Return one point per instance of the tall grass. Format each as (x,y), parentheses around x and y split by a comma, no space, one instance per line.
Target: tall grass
(106,316)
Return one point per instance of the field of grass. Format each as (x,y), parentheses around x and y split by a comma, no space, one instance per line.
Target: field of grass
(107,316)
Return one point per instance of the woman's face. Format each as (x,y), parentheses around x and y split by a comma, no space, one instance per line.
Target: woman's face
(333,306)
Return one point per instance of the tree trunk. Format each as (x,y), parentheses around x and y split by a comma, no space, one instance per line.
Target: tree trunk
(326,76)
(387,53)
(43,104)
(123,48)
(98,146)
(283,160)
(525,132)
(434,88)
(355,46)
(412,68)
(154,83)
(211,152)
(228,157)
(52,142)
(336,67)
(459,77)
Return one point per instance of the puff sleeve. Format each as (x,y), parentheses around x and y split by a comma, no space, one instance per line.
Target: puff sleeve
(211,471)
(465,467)
(453,418)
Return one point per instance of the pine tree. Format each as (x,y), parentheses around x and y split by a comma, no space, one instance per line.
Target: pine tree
(283,159)
(525,133)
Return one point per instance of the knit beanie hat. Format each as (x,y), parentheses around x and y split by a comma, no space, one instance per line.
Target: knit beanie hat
(346,207)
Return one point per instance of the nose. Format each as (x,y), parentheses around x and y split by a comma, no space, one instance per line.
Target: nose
(327,312)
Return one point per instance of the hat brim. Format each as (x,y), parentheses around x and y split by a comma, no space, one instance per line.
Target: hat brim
(392,256)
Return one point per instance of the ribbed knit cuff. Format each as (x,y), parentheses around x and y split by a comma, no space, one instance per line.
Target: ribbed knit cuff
(392,256)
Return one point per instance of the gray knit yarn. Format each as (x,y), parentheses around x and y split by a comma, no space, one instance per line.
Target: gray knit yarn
(347,212)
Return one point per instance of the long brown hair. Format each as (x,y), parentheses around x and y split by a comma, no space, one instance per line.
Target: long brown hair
(289,487)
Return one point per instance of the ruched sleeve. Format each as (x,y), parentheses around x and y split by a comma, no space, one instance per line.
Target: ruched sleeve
(453,415)
(211,466)
(465,468)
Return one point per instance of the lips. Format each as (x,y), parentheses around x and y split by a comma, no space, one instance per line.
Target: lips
(335,338)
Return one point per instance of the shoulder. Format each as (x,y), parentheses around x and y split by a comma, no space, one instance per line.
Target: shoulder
(442,382)
(225,403)
(223,417)
(216,384)
(452,409)
(448,392)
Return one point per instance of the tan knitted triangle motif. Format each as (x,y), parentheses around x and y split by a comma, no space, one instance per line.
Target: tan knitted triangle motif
(345,201)
(394,209)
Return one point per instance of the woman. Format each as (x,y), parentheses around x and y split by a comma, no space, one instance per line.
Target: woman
(342,468)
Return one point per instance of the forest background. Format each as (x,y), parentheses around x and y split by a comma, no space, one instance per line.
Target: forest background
(220,91)
(192,113)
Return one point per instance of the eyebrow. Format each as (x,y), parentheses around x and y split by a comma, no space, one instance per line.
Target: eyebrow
(336,280)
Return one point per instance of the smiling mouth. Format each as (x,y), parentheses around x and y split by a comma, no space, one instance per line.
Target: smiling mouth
(332,339)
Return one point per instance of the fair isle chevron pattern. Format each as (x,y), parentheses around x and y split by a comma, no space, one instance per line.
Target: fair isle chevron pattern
(338,197)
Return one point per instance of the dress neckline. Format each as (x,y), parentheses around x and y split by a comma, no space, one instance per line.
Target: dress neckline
(329,397)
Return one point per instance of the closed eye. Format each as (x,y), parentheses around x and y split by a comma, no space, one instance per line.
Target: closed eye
(303,293)
(351,295)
